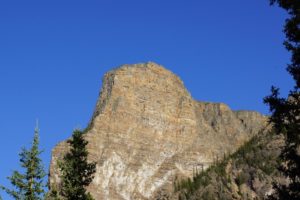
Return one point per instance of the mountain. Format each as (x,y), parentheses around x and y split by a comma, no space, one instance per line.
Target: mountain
(247,174)
(147,132)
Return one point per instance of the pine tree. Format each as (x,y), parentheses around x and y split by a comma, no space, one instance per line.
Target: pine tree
(286,111)
(76,172)
(53,194)
(28,185)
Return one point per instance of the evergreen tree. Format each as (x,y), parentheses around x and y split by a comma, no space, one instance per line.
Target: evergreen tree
(76,172)
(286,111)
(28,185)
(52,194)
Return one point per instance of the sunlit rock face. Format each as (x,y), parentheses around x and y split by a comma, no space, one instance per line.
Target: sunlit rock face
(147,131)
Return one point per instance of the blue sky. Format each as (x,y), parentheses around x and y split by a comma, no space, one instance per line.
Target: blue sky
(53,55)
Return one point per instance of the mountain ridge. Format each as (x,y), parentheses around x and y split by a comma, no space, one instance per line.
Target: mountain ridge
(147,130)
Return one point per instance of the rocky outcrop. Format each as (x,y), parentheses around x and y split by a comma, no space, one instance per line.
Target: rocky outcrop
(147,131)
(249,173)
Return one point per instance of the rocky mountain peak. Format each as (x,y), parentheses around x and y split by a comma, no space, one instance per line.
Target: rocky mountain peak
(136,81)
(147,131)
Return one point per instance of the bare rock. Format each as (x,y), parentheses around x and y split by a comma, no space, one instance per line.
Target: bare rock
(147,130)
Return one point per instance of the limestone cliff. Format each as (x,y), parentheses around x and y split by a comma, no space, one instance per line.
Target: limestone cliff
(147,130)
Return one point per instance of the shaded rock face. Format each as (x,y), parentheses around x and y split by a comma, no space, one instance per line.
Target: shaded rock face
(147,131)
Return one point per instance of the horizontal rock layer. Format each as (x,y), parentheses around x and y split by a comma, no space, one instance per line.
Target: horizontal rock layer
(147,131)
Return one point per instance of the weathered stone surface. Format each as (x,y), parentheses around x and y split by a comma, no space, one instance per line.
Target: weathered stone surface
(147,131)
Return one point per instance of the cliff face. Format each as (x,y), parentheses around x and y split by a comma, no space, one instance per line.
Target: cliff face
(147,131)
(249,173)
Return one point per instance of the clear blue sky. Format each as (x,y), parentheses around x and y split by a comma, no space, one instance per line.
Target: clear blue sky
(53,55)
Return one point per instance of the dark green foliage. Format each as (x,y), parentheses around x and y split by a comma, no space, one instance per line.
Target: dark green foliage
(76,172)
(28,185)
(242,178)
(286,111)
(292,32)
(200,180)
(255,154)
(255,159)
(53,194)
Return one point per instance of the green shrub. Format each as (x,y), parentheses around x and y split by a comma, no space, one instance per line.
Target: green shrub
(242,178)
